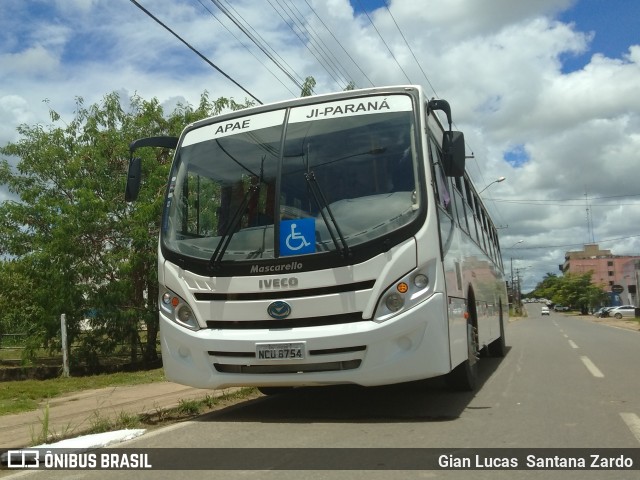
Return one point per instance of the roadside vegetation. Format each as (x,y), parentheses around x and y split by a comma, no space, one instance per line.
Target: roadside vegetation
(574,290)
(31,395)
(99,423)
(34,395)
(28,395)
(70,244)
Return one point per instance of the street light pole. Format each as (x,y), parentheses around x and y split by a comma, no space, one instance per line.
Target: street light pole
(513,246)
(497,180)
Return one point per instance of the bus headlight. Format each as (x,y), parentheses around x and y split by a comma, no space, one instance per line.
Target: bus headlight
(186,316)
(394,301)
(177,310)
(421,281)
(405,293)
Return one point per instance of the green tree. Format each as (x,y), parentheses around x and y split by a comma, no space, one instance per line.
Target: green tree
(546,288)
(350,86)
(74,245)
(578,291)
(16,287)
(573,289)
(307,87)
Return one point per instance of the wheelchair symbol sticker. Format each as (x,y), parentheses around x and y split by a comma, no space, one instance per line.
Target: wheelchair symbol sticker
(297,236)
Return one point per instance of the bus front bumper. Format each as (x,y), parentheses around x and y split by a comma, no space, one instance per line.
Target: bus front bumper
(410,346)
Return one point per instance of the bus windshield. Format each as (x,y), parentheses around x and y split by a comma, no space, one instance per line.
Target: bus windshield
(305,180)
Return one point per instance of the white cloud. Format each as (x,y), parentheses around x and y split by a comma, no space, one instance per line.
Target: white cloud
(35,60)
(74,6)
(14,110)
(498,62)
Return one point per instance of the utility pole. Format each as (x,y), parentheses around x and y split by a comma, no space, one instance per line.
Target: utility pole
(511,284)
(65,345)
(589,220)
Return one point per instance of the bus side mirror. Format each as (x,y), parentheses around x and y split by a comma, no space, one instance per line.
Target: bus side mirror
(453,154)
(134,176)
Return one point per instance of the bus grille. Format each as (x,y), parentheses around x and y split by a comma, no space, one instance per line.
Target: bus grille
(328,366)
(290,368)
(325,351)
(286,323)
(277,295)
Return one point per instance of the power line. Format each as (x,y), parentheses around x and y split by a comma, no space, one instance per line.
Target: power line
(245,47)
(300,78)
(574,244)
(567,199)
(409,47)
(253,38)
(194,50)
(556,203)
(298,34)
(340,44)
(316,41)
(385,43)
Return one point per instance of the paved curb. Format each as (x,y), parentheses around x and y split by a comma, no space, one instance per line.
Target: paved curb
(75,414)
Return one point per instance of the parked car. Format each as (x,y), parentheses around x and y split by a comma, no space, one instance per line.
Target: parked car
(561,308)
(623,311)
(544,311)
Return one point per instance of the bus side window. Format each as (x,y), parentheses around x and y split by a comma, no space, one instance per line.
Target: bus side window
(492,249)
(199,195)
(498,251)
(443,193)
(481,228)
(459,201)
(473,227)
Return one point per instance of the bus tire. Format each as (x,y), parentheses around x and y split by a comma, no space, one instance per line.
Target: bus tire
(498,348)
(464,377)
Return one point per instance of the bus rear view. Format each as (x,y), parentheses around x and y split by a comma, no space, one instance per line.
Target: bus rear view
(301,244)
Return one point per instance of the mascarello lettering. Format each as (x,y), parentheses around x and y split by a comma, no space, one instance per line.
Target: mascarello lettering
(286,267)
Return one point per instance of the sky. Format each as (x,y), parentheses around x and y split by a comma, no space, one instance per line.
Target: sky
(547,93)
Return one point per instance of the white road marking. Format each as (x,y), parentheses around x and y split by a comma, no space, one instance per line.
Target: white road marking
(573,344)
(591,367)
(633,422)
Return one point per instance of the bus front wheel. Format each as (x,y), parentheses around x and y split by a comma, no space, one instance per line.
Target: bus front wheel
(464,377)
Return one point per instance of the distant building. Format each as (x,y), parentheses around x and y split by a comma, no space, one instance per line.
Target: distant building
(616,274)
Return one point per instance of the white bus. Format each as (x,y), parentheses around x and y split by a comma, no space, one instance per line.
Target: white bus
(332,239)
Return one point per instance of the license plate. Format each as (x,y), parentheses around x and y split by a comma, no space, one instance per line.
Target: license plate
(280,351)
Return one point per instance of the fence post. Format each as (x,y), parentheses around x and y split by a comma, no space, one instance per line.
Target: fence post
(65,349)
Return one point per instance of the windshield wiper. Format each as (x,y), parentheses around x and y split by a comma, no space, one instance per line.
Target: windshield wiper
(223,244)
(322,204)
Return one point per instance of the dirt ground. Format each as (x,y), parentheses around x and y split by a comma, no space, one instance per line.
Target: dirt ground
(626,323)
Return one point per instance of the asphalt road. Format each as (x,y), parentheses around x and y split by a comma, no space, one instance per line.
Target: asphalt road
(565,383)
